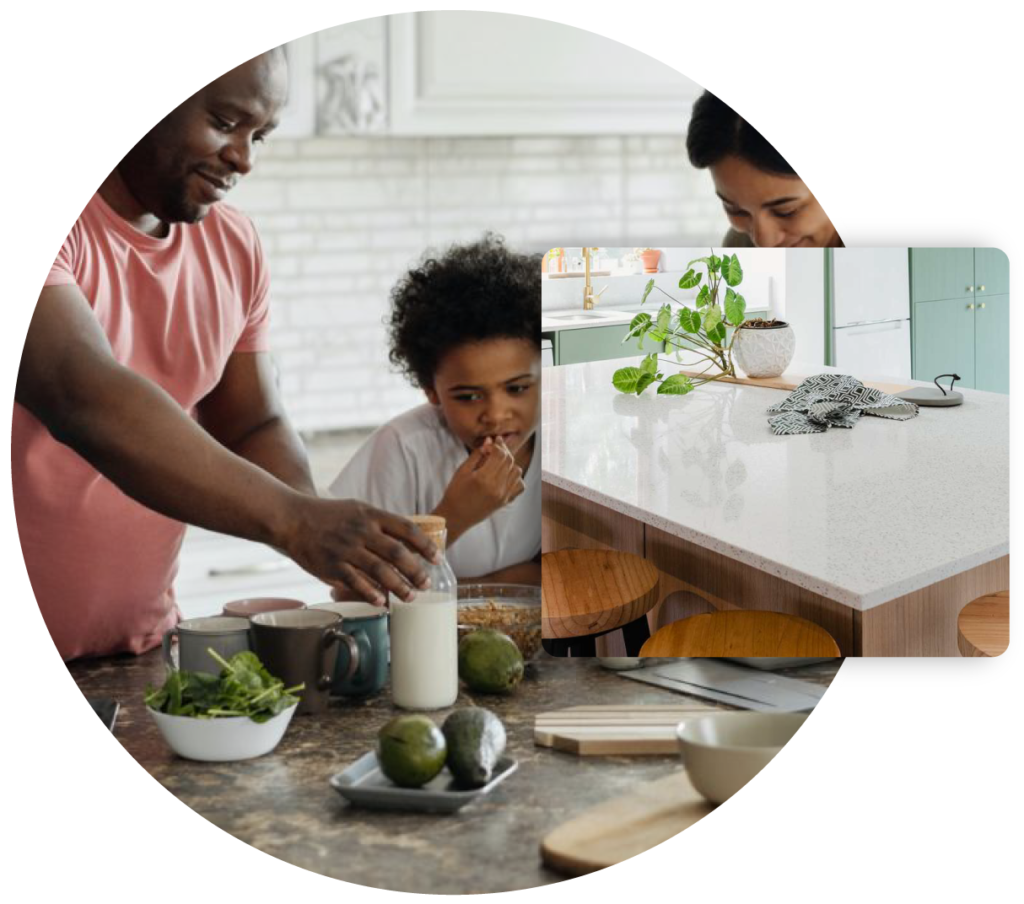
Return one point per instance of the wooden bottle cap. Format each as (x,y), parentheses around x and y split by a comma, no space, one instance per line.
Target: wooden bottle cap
(432,525)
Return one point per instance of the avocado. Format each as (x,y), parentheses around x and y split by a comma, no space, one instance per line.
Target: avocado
(476,741)
(490,662)
(411,750)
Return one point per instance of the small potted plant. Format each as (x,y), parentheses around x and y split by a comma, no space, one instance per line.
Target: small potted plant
(764,348)
(702,331)
(650,258)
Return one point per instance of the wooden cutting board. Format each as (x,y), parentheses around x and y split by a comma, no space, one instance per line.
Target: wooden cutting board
(624,826)
(789,382)
(609,730)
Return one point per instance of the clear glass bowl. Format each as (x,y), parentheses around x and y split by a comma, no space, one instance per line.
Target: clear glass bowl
(513,609)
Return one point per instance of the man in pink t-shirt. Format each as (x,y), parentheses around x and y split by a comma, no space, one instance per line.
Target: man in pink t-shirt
(146,398)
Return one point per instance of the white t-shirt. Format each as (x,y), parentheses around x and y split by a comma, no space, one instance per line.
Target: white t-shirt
(405,466)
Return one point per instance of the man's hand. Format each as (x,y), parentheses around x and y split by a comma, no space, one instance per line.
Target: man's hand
(485,482)
(342,541)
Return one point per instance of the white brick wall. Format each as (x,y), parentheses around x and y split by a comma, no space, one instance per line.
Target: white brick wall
(342,218)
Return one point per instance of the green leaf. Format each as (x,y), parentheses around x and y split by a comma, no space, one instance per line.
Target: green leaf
(626,378)
(638,326)
(677,384)
(689,320)
(665,318)
(714,263)
(712,317)
(732,272)
(689,279)
(717,335)
(735,308)
(650,364)
(647,290)
(703,296)
(644,381)
(700,260)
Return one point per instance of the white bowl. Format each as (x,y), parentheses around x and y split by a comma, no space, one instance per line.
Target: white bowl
(724,751)
(222,740)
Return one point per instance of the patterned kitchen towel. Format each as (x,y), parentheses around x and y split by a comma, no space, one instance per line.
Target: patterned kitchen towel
(834,400)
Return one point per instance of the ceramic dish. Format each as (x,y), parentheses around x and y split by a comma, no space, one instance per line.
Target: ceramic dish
(724,751)
(513,609)
(221,740)
(364,784)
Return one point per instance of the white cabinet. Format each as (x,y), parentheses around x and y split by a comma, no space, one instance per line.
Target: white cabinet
(476,73)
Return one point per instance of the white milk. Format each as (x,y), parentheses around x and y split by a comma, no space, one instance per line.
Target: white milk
(425,651)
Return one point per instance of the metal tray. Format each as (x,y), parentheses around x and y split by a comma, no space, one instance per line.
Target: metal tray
(364,784)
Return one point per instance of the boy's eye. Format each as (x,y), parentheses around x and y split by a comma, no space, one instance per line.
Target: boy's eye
(467,397)
(224,125)
(734,212)
(516,390)
(785,214)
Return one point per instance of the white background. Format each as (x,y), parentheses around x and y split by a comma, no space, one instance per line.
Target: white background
(902,120)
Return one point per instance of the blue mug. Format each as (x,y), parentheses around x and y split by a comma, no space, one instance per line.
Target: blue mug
(368,626)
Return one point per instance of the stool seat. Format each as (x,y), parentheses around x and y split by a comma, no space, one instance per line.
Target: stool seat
(741,632)
(983,626)
(593,591)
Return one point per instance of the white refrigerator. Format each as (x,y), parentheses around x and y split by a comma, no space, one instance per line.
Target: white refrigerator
(870,314)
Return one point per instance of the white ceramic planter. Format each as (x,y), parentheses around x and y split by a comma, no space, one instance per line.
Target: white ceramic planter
(764,352)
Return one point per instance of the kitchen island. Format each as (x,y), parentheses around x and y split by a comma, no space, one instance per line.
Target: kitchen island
(880,533)
(282,804)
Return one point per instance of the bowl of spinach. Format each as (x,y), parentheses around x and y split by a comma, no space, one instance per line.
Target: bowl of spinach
(241,713)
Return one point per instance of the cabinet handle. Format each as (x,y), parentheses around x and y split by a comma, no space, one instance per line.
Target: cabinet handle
(970,307)
(981,288)
(981,305)
(969,289)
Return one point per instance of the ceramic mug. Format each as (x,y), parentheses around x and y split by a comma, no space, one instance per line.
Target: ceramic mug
(223,633)
(369,626)
(301,646)
(250,607)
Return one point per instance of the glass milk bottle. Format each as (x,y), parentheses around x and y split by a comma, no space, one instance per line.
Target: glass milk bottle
(425,634)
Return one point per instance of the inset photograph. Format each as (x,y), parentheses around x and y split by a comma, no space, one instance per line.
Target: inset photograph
(775,454)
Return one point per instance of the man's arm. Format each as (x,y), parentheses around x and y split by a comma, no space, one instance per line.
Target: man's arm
(244,413)
(136,435)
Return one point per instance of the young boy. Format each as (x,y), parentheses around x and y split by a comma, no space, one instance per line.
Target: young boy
(465,328)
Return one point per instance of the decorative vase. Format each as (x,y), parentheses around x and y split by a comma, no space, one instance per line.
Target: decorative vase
(764,351)
(650,259)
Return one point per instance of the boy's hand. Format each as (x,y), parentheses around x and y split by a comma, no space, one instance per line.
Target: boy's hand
(486,481)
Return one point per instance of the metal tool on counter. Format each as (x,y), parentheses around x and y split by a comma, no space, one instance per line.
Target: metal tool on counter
(713,679)
(930,398)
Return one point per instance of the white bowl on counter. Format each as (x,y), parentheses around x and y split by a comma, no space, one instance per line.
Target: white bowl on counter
(724,751)
(222,740)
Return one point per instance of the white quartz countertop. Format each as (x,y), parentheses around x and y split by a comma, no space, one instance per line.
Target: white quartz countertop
(860,516)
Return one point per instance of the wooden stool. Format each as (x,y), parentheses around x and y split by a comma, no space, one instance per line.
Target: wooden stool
(741,632)
(983,626)
(589,592)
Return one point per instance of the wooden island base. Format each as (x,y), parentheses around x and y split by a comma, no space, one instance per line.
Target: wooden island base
(696,580)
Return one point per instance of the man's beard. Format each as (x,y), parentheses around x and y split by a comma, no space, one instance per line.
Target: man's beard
(175,206)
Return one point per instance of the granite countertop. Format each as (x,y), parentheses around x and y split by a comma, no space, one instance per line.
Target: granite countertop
(282,804)
(860,516)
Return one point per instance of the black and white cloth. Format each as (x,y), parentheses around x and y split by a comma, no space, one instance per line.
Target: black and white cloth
(834,400)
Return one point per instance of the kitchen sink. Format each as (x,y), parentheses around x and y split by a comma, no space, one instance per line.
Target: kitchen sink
(578,316)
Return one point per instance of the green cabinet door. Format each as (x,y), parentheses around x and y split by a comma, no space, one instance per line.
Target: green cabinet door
(938,273)
(991,272)
(992,343)
(944,339)
(598,343)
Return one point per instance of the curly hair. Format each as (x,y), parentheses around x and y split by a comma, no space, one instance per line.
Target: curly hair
(716,131)
(472,293)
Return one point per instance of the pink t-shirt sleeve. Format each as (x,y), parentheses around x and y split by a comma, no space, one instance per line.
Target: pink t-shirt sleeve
(255,336)
(62,273)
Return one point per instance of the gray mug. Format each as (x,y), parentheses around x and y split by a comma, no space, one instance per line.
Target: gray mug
(225,634)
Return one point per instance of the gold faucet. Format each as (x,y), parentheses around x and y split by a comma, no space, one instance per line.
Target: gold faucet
(589,298)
